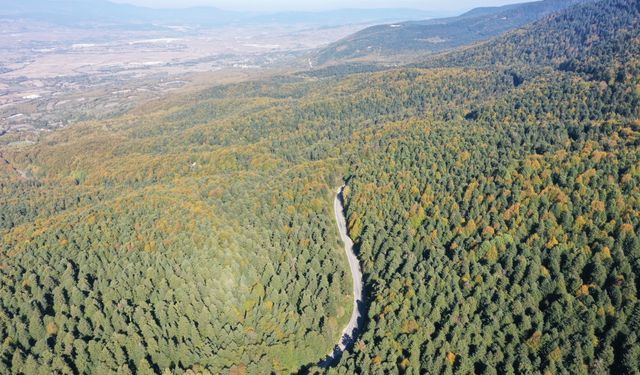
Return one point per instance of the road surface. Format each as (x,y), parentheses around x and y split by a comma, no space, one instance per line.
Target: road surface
(347,337)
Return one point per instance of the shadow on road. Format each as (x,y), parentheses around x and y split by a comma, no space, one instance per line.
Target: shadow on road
(348,341)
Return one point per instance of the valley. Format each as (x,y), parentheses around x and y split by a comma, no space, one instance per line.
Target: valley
(49,80)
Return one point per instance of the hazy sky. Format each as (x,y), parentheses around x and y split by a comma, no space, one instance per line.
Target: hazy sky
(279,5)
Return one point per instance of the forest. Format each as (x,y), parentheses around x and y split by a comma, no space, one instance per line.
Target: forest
(493,194)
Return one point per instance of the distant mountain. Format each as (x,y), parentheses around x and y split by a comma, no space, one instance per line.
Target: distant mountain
(439,34)
(346,16)
(84,12)
(79,12)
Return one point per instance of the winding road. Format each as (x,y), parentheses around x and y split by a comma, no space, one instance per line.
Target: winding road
(347,337)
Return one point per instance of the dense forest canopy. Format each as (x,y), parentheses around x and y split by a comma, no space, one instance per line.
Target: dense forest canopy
(493,194)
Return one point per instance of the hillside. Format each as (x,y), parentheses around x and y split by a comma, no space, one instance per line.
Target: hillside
(507,241)
(601,43)
(493,196)
(423,37)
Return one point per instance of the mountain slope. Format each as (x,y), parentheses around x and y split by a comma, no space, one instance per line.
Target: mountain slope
(494,207)
(507,241)
(439,34)
(603,42)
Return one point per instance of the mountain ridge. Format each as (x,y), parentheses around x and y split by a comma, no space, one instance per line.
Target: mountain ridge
(437,35)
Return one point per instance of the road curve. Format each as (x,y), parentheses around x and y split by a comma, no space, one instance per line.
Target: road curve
(347,337)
